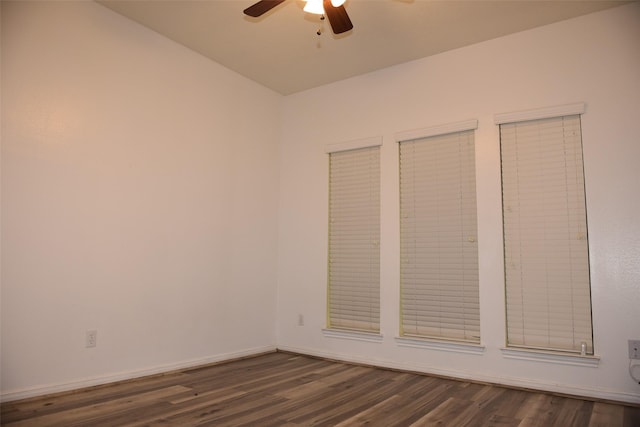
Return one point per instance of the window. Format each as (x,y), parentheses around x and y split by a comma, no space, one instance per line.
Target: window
(545,233)
(354,239)
(438,236)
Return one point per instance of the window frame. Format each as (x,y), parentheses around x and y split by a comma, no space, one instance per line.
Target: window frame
(448,341)
(514,348)
(338,322)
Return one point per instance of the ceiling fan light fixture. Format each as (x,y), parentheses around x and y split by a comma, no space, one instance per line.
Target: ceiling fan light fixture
(314,6)
(337,15)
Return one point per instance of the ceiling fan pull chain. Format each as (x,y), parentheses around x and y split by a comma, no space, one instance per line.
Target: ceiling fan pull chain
(321,27)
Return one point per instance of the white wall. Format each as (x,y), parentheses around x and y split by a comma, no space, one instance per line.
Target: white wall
(593,59)
(139,198)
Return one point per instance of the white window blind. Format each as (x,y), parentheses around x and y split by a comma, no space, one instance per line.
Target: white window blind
(545,235)
(438,238)
(354,240)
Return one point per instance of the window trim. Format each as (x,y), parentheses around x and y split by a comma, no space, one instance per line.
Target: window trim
(559,355)
(437,130)
(540,113)
(374,141)
(438,343)
(342,331)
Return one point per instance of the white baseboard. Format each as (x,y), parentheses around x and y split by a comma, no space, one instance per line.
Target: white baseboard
(123,376)
(525,383)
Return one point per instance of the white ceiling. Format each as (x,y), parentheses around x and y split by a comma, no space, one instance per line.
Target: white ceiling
(281,50)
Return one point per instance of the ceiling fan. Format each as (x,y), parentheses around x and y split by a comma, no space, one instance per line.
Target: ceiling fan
(333,9)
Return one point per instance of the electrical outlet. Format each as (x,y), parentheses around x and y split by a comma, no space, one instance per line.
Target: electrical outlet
(300,320)
(91,339)
(634,349)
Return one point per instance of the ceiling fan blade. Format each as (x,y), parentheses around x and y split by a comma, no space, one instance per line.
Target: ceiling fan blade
(262,7)
(338,17)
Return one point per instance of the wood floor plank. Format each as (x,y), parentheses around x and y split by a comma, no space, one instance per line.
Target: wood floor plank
(378,397)
(631,416)
(482,406)
(341,398)
(376,413)
(605,414)
(536,413)
(288,390)
(442,414)
(56,403)
(512,401)
(83,414)
(159,414)
(431,400)
(574,412)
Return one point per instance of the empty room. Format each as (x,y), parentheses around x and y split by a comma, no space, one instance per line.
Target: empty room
(389,212)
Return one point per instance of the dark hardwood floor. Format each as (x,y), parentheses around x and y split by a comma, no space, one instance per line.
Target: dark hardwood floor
(282,389)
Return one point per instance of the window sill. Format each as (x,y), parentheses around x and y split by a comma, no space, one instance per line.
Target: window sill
(455,347)
(551,357)
(352,335)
